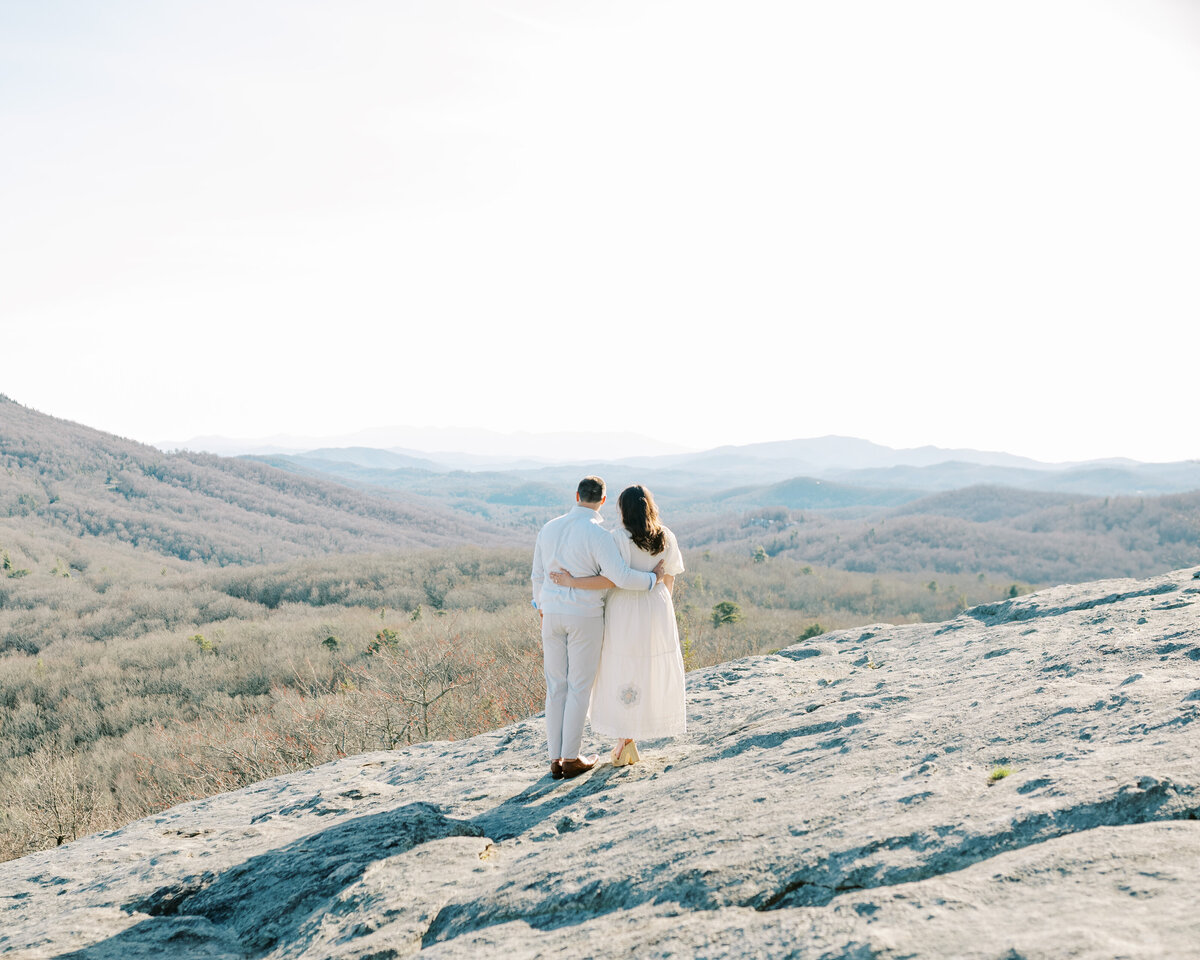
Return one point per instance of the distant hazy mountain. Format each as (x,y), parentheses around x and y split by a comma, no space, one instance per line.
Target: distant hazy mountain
(372,458)
(822,473)
(621,458)
(821,454)
(455,448)
(860,463)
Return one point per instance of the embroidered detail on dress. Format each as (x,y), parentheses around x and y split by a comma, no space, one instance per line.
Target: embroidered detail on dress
(631,695)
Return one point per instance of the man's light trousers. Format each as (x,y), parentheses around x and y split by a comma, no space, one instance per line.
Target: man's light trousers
(570,656)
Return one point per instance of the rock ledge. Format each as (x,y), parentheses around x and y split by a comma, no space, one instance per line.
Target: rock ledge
(843,798)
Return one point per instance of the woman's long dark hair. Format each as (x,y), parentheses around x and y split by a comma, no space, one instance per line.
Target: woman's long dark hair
(640,516)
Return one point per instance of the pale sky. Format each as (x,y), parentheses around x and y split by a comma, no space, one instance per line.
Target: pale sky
(957,222)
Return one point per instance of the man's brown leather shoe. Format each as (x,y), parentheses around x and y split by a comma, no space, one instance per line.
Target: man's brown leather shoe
(556,769)
(577,765)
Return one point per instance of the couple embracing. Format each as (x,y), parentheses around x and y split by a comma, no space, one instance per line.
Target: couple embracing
(609,639)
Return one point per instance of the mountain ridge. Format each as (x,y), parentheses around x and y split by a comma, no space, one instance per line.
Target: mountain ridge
(831,452)
(866,465)
(473,445)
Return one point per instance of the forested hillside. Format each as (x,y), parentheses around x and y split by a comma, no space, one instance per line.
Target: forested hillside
(1026,535)
(807,493)
(55,474)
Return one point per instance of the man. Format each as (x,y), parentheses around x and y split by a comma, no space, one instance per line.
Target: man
(573,620)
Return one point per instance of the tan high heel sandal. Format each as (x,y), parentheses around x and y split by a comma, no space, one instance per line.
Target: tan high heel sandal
(627,756)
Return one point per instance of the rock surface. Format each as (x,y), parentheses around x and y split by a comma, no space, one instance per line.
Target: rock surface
(833,800)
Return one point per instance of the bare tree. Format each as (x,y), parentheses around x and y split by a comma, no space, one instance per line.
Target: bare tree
(54,795)
(423,676)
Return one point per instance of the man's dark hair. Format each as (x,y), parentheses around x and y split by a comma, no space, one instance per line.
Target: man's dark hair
(591,490)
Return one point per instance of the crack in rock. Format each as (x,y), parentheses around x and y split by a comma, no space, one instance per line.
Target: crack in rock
(1150,800)
(765,741)
(1020,609)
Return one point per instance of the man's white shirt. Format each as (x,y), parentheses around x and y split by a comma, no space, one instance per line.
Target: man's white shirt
(578,543)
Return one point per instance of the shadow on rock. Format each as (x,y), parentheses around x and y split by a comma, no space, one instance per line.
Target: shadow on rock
(540,801)
(249,909)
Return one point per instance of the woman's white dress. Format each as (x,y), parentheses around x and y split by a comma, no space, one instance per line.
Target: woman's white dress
(639,688)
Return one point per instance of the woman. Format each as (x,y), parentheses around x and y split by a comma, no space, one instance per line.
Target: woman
(639,688)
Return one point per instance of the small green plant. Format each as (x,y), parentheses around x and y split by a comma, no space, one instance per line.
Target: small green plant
(812,630)
(331,643)
(385,639)
(726,612)
(998,774)
(202,642)
(416,614)
(1014,590)
(760,554)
